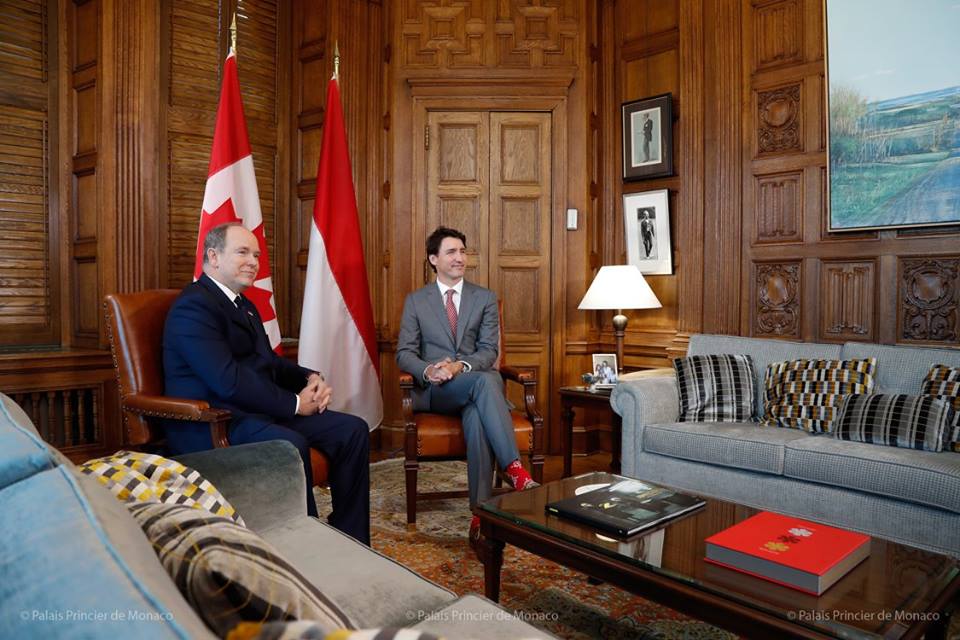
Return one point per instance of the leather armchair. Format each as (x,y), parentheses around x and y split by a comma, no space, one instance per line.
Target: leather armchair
(433,436)
(135,329)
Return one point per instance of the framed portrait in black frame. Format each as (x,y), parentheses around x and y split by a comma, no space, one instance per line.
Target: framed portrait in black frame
(648,137)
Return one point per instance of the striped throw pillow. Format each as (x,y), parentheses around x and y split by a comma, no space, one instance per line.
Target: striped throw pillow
(912,422)
(944,382)
(715,388)
(228,573)
(806,394)
(307,630)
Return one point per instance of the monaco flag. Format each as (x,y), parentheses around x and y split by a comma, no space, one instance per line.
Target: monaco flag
(337,335)
(231,194)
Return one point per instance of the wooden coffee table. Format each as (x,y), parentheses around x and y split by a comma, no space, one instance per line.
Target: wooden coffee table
(898,592)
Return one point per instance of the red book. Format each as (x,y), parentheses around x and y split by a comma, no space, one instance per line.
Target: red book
(797,553)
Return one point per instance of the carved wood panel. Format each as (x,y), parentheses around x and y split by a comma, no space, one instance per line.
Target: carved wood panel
(777,303)
(847,295)
(779,120)
(464,34)
(778,37)
(929,295)
(779,211)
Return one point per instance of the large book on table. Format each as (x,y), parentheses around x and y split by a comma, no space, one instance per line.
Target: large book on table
(625,507)
(803,555)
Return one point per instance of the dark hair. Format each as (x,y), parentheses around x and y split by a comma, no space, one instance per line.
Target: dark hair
(217,238)
(436,239)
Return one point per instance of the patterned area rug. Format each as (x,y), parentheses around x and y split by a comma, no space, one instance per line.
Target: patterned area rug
(541,592)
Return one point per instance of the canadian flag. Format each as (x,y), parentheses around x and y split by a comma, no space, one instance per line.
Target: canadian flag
(231,194)
(337,335)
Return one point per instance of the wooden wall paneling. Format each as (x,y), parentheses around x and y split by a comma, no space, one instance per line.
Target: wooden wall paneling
(722,167)
(84,242)
(929,295)
(29,137)
(309,74)
(886,285)
(196,41)
(848,301)
(129,128)
(648,60)
(691,214)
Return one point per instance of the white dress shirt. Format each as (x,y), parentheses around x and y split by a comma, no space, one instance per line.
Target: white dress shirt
(458,291)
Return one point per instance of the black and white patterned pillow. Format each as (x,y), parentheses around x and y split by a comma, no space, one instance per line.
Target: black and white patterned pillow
(229,574)
(715,388)
(896,420)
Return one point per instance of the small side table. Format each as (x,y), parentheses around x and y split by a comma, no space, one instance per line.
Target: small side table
(571,397)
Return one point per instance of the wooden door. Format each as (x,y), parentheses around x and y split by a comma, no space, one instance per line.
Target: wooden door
(489,175)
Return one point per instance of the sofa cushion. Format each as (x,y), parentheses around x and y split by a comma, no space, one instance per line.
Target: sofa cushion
(922,477)
(380,592)
(901,369)
(228,573)
(715,388)
(475,618)
(744,445)
(762,351)
(911,422)
(944,382)
(63,574)
(134,477)
(23,452)
(806,394)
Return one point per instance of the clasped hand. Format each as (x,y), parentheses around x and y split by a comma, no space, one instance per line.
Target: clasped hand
(442,371)
(314,397)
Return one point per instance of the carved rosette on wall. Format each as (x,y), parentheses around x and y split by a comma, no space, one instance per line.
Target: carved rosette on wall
(777,298)
(928,299)
(778,120)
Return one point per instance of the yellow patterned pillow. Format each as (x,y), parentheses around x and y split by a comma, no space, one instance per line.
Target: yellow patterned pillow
(806,394)
(144,477)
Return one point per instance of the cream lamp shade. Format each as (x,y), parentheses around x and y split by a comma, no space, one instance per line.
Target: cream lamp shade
(619,287)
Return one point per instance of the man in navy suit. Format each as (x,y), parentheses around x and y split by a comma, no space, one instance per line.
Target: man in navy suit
(448,342)
(215,349)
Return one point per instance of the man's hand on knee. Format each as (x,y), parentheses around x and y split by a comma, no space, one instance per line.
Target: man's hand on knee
(314,397)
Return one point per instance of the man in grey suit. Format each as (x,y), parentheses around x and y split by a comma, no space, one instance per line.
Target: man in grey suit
(448,342)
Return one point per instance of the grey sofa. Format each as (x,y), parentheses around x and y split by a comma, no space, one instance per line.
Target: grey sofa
(76,564)
(904,495)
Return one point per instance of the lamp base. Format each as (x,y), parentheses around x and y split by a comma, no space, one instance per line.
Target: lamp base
(619,328)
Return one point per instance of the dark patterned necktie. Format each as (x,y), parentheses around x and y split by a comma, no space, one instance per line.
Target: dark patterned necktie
(452,313)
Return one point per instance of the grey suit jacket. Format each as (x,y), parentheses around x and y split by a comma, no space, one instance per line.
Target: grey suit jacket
(426,338)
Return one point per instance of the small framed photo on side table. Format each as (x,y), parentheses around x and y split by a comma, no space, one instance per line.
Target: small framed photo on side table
(605,370)
(648,137)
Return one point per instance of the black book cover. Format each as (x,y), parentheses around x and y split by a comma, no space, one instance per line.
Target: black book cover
(625,507)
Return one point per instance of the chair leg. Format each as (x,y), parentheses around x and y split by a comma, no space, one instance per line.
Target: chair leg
(536,468)
(411,467)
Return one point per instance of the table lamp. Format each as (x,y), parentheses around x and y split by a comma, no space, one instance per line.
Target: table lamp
(619,287)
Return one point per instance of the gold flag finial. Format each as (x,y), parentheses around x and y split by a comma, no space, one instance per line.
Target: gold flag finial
(233,35)
(336,60)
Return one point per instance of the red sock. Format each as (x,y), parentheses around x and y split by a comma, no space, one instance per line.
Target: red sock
(474,523)
(519,477)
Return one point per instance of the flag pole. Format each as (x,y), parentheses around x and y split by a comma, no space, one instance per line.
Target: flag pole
(233,35)
(336,61)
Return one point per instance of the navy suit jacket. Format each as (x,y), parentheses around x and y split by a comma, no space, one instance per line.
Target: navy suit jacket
(216,352)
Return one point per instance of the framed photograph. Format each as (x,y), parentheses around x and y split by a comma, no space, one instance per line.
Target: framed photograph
(605,370)
(646,218)
(648,137)
(894,127)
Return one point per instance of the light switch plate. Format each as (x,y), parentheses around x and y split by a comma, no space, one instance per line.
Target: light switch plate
(572,219)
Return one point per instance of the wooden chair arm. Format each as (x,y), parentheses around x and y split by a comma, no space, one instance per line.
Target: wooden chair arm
(181,409)
(523,376)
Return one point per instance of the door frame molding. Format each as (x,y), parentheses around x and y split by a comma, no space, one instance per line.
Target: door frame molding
(547,94)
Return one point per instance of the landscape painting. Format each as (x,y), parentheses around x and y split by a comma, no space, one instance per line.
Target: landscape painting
(893,70)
